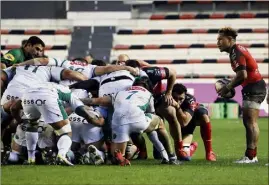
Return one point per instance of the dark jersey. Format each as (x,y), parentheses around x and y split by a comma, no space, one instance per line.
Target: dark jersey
(241,59)
(14,56)
(156,75)
(189,104)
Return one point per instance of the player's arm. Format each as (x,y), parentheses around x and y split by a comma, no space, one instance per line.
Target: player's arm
(184,116)
(101,70)
(240,77)
(15,109)
(144,63)
(102,101)
(10,58)
(72,75)
(90,115)
(43,61)
(4,78)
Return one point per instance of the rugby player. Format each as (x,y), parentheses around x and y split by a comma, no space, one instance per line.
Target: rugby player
(189,114)
(34,47)
(253,92)
(133,113)
(45,99)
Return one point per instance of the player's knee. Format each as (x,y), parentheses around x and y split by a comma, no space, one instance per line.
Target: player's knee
(66,129)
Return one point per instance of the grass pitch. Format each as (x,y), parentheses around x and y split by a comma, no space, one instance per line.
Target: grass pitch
(228,144)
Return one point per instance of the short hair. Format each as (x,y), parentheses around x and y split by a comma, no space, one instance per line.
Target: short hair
(228,31)
(179,88)
(145,82)
(133,63)
(98,62)
(23,42)
(35,40)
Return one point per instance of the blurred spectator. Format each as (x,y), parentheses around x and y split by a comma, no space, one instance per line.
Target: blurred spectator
(89,58)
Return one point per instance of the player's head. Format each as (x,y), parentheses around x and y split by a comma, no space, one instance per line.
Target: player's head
(226,38)
(122,58)
(80,59)
(144,82)
(98,62)
(179,92)
(89,58)
(34,47)
(133,63)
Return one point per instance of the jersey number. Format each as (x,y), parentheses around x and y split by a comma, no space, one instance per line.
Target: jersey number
(132,93)
(76,69)
(34,70)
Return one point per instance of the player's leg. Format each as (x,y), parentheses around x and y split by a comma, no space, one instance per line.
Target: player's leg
(120,137)
(205,131)
(155,123)
(169,113)
(139,141)
(253,96)
(31,135)
(187,134)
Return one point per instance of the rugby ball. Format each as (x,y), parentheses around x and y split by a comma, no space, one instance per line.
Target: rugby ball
(220,83)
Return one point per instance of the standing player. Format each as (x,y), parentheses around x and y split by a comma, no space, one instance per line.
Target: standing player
(34,47)
(253,92)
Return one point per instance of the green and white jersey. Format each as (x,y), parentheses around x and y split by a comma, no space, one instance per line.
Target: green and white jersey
(84,68)
(135,96)
(59,92)
(28,76)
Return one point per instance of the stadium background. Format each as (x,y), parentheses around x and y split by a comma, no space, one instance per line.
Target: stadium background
(177,34)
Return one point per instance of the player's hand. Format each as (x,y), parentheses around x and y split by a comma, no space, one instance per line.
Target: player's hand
(168,99)
(223,91)
(133,71)
(14,66)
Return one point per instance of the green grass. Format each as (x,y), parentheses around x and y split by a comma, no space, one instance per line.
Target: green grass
(228,143)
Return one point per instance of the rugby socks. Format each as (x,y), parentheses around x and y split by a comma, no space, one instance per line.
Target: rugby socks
(13,156)
(31,142)
(251,153)
(64,144)
(153,137)
(205,131)
(186,148)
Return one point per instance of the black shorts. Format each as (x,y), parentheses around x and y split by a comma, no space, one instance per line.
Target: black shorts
(195,121)
(254,92)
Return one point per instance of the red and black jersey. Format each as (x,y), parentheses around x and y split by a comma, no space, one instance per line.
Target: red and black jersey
(189,104)
(241,59)
(156,75)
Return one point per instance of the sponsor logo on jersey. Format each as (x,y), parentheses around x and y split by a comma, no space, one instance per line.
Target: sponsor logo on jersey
(9,56)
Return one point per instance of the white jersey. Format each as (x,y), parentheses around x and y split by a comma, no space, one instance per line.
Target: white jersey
(131,104)
(114,82)
(84,68)
(28,76)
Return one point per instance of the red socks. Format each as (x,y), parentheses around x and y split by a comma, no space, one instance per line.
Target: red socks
(205,131)
(251,153)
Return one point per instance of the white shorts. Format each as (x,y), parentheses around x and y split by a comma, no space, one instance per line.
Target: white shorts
(86,133)
(43,103)
(19,136)
(122,128)
(11,93)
